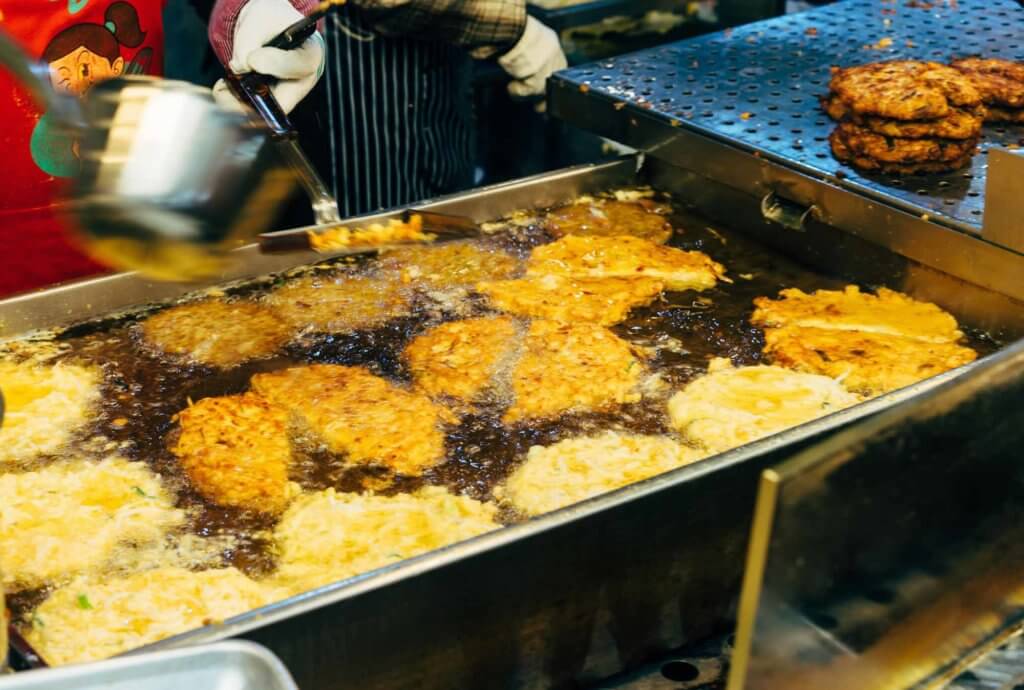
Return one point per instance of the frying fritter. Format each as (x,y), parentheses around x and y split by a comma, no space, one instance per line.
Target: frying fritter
(360,415)
(1001,82)
(218,333)
(579,468)
(886,312)
(572,368)
(605,217)
(605,301)
(74,517)
(339,303)
(92,619)
(729,407)
(867,363)
(449,264)
(625,257)
(459,359)
(865,143)
(959,124)
(236,451)
(327,536)
(843,153)
(45,404)
(904,89)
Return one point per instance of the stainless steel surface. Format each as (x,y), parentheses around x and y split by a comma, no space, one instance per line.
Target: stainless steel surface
(168,182)
(756,87)
(222,666)
(890,556)
(580,594)
(1004,199)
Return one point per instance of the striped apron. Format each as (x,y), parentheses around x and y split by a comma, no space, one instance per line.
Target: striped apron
(398,117)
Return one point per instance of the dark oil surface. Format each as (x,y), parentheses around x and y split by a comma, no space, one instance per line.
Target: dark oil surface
(143,391)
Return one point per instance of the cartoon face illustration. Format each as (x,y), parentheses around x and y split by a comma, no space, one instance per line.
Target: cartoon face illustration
(77,71)
(84,54)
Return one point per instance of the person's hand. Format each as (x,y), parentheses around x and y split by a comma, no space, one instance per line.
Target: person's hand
(297,70)
(536,56)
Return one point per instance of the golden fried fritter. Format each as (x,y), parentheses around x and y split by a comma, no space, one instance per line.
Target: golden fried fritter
(843,153)
(363,416)
(604,301)
(449,264)
(576,469)
(625,257)
(959,124)
(887,312)
(327,536)
(997,114)
(572,367)
(866,363)
(339,303)
(903,89)
(865,143)
(236,452)
(729,407)
(459,359)
(1001,82)
(218,333)
(605,217)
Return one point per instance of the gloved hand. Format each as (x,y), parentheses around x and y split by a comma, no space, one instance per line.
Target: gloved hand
(297,70)
(536,56)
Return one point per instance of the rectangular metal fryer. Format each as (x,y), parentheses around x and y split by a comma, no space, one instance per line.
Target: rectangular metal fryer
(741,106)
(576,595)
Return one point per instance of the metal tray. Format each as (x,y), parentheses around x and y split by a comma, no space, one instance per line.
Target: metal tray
(583,593)
(235,665)
(584,13)
(755,89)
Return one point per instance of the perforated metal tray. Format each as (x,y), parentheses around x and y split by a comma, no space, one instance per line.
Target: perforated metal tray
(757,87)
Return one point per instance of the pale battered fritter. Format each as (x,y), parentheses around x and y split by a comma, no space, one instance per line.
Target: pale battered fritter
(625,257)
(45,404)
(327,536)
(576,469)
(865,143)
(458,360)
(449,264)
(218,333)
(867,363)
(339,303)
(1001,82)
(843,153)
(92,619)
(236,451)
(605,301)
(904,89)
(362,416)
(886,312)
(605,217)
(74,517)
(959,124)
(572,368)
(729,407)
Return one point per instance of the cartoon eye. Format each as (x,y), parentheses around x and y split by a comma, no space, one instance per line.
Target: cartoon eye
(85,71)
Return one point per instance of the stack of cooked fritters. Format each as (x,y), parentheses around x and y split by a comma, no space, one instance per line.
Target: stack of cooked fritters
(904,117)
(1001,83)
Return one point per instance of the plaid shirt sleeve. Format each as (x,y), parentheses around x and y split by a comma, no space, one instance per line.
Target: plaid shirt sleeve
(484,27)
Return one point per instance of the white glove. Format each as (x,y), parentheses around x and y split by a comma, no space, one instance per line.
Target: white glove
(297,70)
(536,56)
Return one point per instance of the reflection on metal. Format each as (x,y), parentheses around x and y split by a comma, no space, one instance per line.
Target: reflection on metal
(891,556)
(787,214)
(1004,199)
